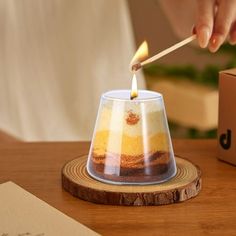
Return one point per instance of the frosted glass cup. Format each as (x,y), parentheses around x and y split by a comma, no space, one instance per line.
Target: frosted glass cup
(131,142)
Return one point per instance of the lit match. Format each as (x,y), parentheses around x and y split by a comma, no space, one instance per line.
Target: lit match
(136,66)
(140,55)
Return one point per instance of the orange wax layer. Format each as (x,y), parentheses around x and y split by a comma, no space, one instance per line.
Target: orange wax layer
(113,142)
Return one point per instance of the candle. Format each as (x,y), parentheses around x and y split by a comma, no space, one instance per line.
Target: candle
(131,142)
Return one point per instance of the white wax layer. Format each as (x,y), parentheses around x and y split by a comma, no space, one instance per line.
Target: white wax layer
(143,95)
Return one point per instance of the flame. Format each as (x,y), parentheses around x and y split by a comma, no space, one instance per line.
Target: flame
(141,54)
(134,88)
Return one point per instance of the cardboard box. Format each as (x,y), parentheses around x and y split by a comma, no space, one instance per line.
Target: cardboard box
(227,116)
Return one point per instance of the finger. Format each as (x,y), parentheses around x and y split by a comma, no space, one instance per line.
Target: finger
(232,37)
(223,20)
(205,19)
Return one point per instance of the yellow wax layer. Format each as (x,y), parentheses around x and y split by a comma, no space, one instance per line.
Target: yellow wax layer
(118,143)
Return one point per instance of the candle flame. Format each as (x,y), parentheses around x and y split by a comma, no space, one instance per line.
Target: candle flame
(141,54)
(134,88)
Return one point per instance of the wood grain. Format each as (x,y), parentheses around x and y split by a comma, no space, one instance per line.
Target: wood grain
(185,185)
(37,168)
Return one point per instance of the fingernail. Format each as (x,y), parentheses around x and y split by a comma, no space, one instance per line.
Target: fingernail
(232,39)
(232,42)
(215,43)
(204,36)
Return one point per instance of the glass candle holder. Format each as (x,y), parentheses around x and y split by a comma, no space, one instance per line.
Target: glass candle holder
(131,143)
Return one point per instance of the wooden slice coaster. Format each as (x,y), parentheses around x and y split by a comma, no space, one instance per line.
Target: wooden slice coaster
(185,185)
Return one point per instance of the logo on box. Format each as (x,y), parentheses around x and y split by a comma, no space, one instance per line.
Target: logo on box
(225,140)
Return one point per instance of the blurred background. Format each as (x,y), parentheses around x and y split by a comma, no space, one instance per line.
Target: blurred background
(48,48)
(188,77)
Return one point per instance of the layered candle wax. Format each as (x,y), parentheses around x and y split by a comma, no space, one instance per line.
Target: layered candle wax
(131,142)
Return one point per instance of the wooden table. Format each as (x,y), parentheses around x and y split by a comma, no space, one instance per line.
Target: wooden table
(37,166)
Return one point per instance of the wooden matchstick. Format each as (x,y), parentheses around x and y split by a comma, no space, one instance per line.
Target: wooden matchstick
(137,66)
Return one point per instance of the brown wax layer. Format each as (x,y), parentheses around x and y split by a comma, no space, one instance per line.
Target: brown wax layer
(131,161)
(124,168)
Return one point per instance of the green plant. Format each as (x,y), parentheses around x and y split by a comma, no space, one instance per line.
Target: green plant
(208,75)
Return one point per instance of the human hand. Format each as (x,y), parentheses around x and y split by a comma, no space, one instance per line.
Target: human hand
(216,22)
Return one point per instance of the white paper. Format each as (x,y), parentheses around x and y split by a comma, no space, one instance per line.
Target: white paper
(23,214)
